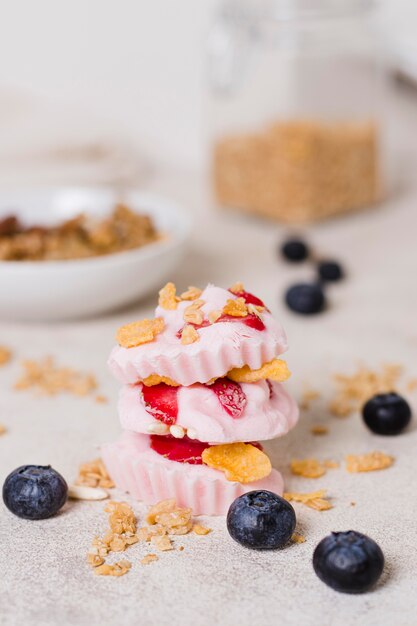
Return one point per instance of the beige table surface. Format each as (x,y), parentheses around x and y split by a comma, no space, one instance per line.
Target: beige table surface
(44,579)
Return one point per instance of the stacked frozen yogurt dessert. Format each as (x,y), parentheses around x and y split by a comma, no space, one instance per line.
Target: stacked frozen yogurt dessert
(201,386)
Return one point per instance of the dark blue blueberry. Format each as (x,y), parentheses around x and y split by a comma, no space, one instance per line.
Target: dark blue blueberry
(387,414)
(305,298)
(261,520)
(34,492)
(330,271)
(295,250)
(348,561)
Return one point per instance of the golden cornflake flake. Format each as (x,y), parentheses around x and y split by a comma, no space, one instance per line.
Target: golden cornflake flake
(213,316)
(149,558)
(2,429)
(189,335)
(275,370)
(192,313)
(192,293)
(315,500)
(412,384)
(5,355)
(138,333)
(240,462)
(235,308)
(156,379)
(94,474)
(296,538)
(307,397)
(319,429)
(353,391)
(237,288)
(369,462)
(198,529)
(50,379)
(308,468)
(163,543)
(101,399)
(167,297)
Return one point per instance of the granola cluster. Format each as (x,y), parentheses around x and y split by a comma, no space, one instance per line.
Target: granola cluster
(77,238)
(50,379)
(164,520)
(94,474)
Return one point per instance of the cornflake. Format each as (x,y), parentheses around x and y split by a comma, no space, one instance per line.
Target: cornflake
(308,468)
(369,462)
(156,379)
(192,293)
(307,397)
(315,500)
(237,288)
(192,313)
(138,333)
(167,297)
(296,538)
(235,308)
(319,429)
(213,316)
(353,391)
(2,429)
(5,355)
(276,370)
(189,335)
(198,529)
(240,462)
(149,558)
(101,399)
(50,379)
(94,474)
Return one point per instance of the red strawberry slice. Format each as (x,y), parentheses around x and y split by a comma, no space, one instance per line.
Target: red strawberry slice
(182,450)
(161,402)
(251,320)
(230,395)
(249,298)
(271,389)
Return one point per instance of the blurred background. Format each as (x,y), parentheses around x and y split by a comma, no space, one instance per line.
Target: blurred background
(107,82)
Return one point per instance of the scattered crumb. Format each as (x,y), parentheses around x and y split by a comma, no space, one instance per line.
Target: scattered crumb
(201,530)
(149,558)
(353,391)
(94,474)
(307,397)
(181,548)
(51,379)
(101,399)
(412,384)
(369,462)
(137,333)
(315,500)
(319,429)
(192,293)
(308,468)
(3,429)
(5,355)
(296,538)
(189,335)
(193,314)
(167,297)
(331,464)
(353,504)
(162,542)
(120,535)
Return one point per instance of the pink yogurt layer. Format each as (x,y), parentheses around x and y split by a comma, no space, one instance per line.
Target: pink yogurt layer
(148,476)
(265,415)
(221,347)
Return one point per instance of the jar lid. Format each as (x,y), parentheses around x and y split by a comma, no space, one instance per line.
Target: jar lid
(286,10)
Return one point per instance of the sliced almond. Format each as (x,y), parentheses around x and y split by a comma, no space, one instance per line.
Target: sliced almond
(78,492)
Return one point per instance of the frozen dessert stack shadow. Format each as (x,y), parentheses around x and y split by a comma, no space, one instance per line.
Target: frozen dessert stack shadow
(202,384)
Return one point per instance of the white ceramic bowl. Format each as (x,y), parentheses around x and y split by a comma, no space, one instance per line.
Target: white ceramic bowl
(58,290)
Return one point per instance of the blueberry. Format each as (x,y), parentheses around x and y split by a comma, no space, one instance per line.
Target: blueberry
(294,250)
(34,492)
(330,271)
(261,520)
(387,414)
(305,298)
(348,561)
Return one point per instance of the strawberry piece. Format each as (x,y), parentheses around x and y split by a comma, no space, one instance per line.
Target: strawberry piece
(251,320)
(249,298)
(183,450)
(230,395)
(161,402)
(271,389)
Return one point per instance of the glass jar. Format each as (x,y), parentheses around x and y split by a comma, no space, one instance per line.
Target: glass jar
(295,124)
